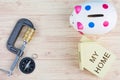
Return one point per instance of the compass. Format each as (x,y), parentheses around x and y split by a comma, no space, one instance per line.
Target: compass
(27,65)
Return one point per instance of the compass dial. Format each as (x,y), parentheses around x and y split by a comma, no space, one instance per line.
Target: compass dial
(27,65)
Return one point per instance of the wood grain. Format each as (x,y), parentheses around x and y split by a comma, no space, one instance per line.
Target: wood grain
(55,41)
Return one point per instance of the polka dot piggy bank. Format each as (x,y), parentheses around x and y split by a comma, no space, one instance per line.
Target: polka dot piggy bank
(94,17)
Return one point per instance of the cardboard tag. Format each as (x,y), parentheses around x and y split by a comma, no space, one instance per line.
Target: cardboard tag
(83,39)
(95,58)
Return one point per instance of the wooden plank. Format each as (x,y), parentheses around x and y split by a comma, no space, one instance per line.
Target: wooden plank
(58,70)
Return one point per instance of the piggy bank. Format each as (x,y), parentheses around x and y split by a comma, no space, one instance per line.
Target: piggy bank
(94,17)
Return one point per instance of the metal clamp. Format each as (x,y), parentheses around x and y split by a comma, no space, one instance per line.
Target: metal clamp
(13,37)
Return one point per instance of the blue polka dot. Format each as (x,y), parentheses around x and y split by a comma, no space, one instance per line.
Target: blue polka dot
(91,25)
(88,7)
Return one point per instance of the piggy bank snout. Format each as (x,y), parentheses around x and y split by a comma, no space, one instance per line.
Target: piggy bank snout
(71,19)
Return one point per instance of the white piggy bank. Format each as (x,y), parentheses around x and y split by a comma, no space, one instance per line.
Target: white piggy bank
(94,17)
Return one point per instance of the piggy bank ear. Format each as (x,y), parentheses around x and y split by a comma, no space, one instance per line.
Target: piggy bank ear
(77,9)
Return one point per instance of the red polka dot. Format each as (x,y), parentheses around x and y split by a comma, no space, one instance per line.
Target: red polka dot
(105,6)
(79,26)
(105,23)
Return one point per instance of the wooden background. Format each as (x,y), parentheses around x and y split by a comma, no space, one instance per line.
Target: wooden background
(55,41)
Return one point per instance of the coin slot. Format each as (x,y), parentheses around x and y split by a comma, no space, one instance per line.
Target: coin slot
(96,15)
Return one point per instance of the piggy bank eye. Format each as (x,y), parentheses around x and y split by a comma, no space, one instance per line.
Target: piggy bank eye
(72,15)
(87,7)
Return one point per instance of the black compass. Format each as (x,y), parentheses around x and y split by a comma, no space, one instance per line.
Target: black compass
(27,65)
